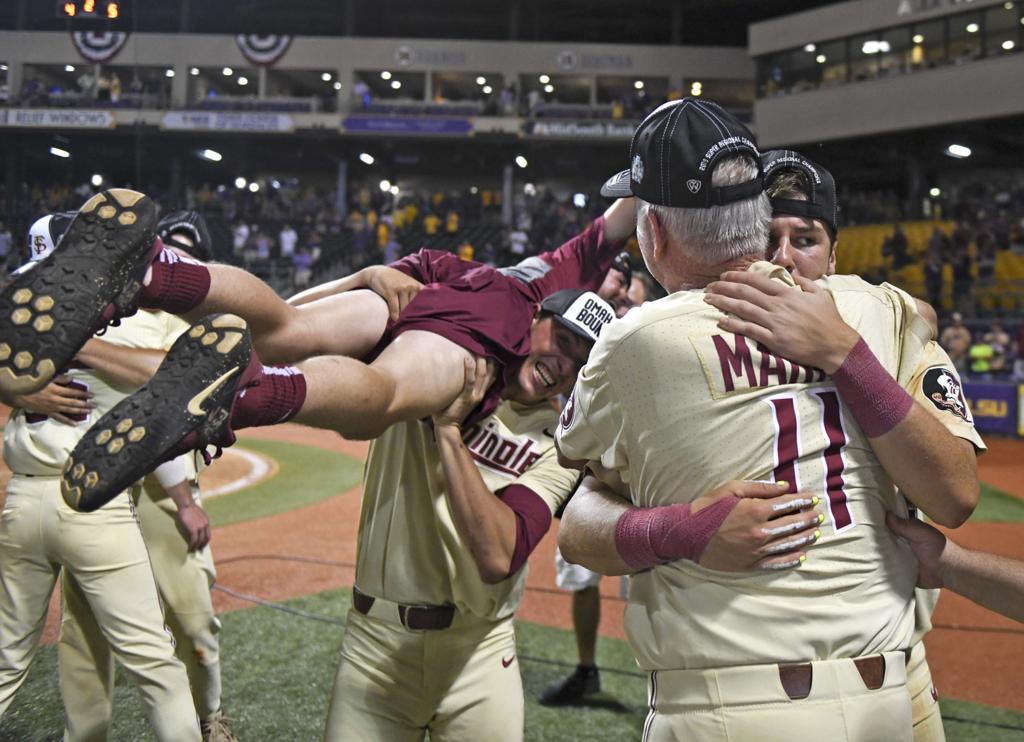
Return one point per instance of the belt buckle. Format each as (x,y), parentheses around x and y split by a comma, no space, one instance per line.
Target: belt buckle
(405,610)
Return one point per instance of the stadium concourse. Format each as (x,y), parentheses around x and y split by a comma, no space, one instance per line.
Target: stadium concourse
(273,558)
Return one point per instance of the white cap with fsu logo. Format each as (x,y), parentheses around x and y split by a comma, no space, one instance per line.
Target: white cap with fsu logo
(43,237)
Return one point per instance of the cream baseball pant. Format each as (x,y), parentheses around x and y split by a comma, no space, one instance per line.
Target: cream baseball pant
(393,684)
(105,558)
(739,704)
(183,580)
(923,698)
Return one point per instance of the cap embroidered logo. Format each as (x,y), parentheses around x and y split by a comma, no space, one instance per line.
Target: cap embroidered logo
(693,185)
(637,171)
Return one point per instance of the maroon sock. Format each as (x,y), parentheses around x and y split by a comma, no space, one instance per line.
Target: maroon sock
(274,396)
(177,285)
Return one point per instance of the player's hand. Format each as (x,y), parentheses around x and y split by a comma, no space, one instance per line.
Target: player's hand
(393,286)
(929,545)
(767,530)
(57,400)
(194,526)
(480,375)
(803,326)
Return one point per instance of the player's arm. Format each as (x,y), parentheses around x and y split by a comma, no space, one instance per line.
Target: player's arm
(58,400)
(739,526)
(933,469)
(192,522)
(393,285)
(493,527)
(993,581)
(120,366)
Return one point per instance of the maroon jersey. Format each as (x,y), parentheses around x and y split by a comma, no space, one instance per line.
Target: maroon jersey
(489,311)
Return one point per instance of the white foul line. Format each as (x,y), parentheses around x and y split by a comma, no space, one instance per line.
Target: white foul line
(259,468)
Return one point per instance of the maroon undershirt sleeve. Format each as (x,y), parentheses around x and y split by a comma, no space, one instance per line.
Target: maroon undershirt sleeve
(582,262)
(533,518)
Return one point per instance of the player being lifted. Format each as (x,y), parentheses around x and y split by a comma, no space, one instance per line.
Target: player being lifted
(211,383)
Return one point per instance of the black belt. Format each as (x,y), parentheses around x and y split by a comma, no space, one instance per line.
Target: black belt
(796,679)
(414,617)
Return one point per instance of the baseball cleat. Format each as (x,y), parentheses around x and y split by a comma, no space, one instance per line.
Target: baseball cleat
(93,277)
(186,405)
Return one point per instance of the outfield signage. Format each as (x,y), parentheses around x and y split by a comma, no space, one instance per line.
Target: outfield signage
(994,406)
(581,129)
(227,121)
(407,125)
(58,118)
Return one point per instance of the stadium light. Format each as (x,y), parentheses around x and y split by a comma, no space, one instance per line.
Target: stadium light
(96,180)
(169,72)
(1008,6)
(549,88)
(211,155)
(3,68)
(487,90)
(275,184)
(69,68)
(958,150)
(395,84)
(521,161)
(530,189)
(579,200)
(544,79)
(481,80)
(240,182)
(243,80)
(337,85)
(227,72)
(254,187)
(474,190)
(972,28)
(326,76)
(194,71)
(639,84)
(394,190)
(810,48)
(58,152)
(874,47)
(918,38)
(385,185)
(385,75)
(366,158)
(935,192)
(1008,45)
(821,59)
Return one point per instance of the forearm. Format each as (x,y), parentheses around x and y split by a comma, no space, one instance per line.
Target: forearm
(486,523)
(993,581)
(123,367)
(620,219)
(357,280)
(586,535)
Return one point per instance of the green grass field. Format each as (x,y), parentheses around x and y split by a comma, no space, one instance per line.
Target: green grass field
(279,663)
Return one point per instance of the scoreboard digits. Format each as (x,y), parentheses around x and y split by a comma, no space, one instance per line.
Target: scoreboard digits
(98,9)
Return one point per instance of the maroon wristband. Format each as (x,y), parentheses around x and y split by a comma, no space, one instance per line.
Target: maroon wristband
(647,537)
(875,398)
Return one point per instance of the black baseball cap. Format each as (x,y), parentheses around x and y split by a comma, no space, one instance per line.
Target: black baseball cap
(674,151)
(190,223)
(622,265)
(583,312)
(821,201)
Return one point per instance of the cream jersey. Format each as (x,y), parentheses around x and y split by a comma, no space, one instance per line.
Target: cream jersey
(409,549)
(675,407)
(40,447)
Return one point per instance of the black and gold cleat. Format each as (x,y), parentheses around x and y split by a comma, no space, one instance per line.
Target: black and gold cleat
(186,405)
(47,313)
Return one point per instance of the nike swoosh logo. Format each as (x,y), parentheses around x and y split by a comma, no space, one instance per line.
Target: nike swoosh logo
(507,662)
(195,405)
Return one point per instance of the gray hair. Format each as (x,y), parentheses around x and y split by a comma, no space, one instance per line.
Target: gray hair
(717,234)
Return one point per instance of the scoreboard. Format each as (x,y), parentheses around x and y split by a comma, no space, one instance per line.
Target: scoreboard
(92,9)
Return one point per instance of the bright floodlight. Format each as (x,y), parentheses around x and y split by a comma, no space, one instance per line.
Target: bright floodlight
(549,88)
(326,77)
(544,79)
(521,161)
(385,185)
(395,84)
(337,85)
(58,152)
(69,68)
(254,187)
(169,72)
(972,28)
(394,190)
(243,80)
(96,180)
(809,48)
(275,183)
(958,150)
(821,59)
(935,192)
(1008,45)
(366,158)
(918,38)
(228,72)
(487,89)
(194,71)
(385,75)
(639,84)
(211,154)
(240,182)
(579,200)
(481,80)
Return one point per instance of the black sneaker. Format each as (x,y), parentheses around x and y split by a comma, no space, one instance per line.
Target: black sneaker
(186,405)
(93,277)
(584,681)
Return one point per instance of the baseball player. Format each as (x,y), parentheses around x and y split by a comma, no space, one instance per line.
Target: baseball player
(183,572)
(102,553)
(838,644)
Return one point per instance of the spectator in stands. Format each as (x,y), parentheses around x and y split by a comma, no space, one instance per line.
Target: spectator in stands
(982,357)
(933,273)
(986,249)
(287,240)
(963,279)
(956,341)
(115,88)
(361,95)
(451,222)
(303,263)
(895,246)
(6,242)
(518,240)
(392,250)
(999,340)
(240,238)
(940,244)
(1018,352)
(431,224)
(466,250)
